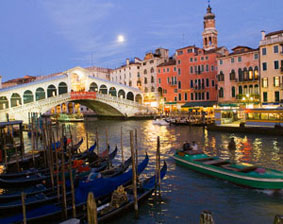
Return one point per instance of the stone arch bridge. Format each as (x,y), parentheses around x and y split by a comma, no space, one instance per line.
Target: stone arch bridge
(76,85)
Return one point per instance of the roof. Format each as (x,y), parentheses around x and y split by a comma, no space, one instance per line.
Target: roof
(274,33)
(168,63)
(190,46)
(199,104)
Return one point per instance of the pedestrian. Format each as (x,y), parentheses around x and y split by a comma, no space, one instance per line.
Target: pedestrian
(194,146)
(232,144)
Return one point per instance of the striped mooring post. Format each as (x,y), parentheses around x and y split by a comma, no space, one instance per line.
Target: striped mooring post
(206,218)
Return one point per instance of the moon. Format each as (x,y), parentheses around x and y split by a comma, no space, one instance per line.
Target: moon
(120,38)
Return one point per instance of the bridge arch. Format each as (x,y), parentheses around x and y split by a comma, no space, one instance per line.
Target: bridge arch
(93,87)
(121,94)
(112,91)
(16,100)
(4,103)
(130,96)
(39,94)
(51,91)
(103,89)
(28,97)
(138,98)
(62,88)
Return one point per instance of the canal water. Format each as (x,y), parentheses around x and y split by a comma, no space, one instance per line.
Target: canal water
(185,193)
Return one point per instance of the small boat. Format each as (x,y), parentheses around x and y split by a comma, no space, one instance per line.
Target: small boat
(160,122)
(243,174)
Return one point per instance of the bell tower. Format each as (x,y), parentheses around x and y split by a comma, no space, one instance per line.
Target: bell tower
(209,35)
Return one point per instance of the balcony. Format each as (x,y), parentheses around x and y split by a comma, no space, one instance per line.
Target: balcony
(172,83)
(271,41)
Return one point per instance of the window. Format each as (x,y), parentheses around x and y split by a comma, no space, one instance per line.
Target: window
(206,58)
(175,90)
(232,60)
(263,51)
(168,80)
(179,84)
(152,89)
(202,96)
(179,71)
(220,62)
(196,59)
(145,80)
(212,68)
(175,98)
(190,50)
(250,73)
(130,83)
(180,96)
(196,96)
(199,96)
(264,66)
(265,82)
(212,82)
(192,96)
(151,62)
(207,95)
(192,69)
(239,59)
(276,81)
(186,96)
(145,71)
(276,65)
(152,70)
(196,69)
(275,49)
(159,80)
(152,79)
(179,62)
(207,68)
(202,68)
(191,59)
(256,73)
(202,58)
(180,52)
(192,84)
(256,56)
(221,93)
(207,82)
(175,69)
(276,95)
(168,69)
(158,70)
(233,91)
(240,90)
(264,96)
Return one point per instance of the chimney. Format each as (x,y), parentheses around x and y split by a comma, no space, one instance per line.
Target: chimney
(127,61)
(262,35)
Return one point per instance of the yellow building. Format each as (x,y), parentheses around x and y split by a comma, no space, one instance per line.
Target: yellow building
(271,63)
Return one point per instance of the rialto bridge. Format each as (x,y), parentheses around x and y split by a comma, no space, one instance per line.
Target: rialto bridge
(75,85)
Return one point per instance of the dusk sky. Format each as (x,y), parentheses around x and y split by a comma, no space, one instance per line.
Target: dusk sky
(40,37)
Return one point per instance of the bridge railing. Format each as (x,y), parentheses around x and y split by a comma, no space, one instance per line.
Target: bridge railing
(44,101)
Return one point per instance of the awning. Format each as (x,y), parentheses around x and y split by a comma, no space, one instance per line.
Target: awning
(200,104)
(171,103)
(228,105)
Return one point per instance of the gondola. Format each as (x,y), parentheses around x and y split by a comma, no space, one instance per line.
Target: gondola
(38,199)
(100,187)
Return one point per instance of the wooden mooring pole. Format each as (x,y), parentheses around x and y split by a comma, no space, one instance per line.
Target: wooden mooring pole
(63,175)
(97,141)
(91,209)
(134,174)
(71,176)
(206,218)
(23,195)
(157,173)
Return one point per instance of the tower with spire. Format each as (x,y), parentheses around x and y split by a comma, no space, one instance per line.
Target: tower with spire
(209,35)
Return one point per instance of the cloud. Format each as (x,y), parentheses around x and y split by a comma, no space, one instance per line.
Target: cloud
(81,23)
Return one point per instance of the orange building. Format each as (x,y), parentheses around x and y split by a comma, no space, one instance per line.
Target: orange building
(191,81)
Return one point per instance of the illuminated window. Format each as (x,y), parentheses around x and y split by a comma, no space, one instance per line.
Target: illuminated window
(276,81)
(265,82)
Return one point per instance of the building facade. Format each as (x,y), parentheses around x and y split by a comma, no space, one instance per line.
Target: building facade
(271,63)
(238,76)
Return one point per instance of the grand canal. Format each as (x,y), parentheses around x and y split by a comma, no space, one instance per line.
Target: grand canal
(185,194)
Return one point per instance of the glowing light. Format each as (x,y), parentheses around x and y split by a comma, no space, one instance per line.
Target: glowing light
(153,104)
(244,98)
(120,38)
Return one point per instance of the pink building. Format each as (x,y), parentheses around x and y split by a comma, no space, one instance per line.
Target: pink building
(238,76)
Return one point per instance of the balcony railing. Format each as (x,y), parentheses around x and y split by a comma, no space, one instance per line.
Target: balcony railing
(271,41)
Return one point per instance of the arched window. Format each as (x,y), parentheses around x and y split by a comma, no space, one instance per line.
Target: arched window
(28,97)
(103,89)
(138,98)
(245,89)
(152,89)
(240,90)
(152,70)
(256,89)
(152,79)
(39,94)
(16,100)
(130,96)
(121,94)
(62,88)
(4,103)
(160,91)
(240,73)
(112,91)
(93,87)
(256,73)
(246,74)
(51,91)
(221,93)
(250,73)
(232,74)
(130,83)
(251,89)
(145,72)
(233,91)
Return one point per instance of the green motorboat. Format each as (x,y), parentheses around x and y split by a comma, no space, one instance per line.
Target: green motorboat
(244,174)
